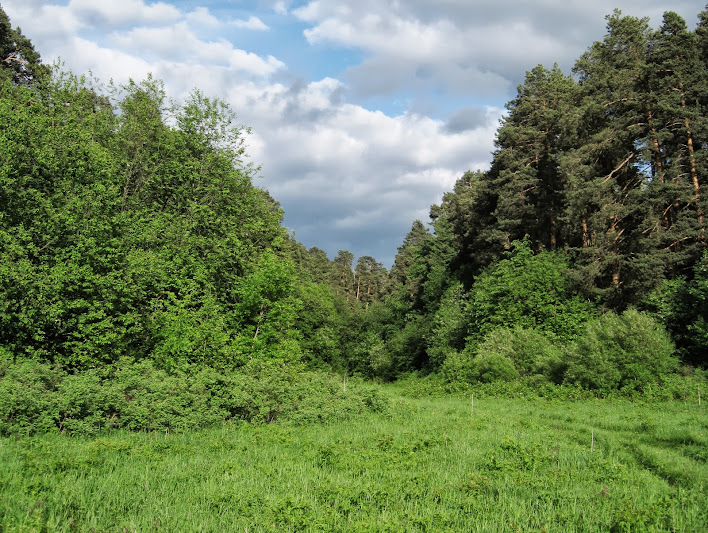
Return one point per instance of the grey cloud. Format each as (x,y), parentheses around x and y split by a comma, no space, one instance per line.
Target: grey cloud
(376,76)
(481,48)
(467,118)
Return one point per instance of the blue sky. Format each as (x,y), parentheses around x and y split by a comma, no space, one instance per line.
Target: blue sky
(363,112)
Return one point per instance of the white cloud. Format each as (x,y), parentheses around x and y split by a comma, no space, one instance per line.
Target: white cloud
(202,17)
(253,23)
(178,43)
(348,177)
(281,8)
(361,174)
(462,47)
(123,12)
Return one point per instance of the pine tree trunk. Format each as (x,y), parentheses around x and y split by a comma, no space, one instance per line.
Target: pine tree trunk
(658,166)
(692,163)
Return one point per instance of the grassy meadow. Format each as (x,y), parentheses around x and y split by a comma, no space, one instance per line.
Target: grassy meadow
(427,464)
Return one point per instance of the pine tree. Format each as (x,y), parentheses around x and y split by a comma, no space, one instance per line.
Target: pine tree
(343,275)
(607,169)
(525,172)
(19,61)
(406,257)
(675,79)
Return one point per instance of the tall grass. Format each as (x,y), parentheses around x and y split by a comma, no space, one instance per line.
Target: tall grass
(426,465)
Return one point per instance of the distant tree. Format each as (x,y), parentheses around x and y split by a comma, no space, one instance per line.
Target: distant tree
(406,255)
(343,274)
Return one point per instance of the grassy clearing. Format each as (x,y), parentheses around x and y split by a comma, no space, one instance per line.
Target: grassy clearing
(428,465)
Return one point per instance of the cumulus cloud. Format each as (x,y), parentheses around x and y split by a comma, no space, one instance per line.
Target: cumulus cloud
(349,176)
(462,47)
(253,23)
(114,13)
(466,119)
(356,174)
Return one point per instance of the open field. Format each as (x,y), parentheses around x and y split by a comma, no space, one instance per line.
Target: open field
(427,465)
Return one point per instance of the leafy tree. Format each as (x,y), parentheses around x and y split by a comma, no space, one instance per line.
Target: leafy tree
(319,324)
(449,326)
(681,305)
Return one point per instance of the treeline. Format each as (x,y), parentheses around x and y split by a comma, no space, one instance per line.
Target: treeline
(146,281)
(570,258)
(132,233)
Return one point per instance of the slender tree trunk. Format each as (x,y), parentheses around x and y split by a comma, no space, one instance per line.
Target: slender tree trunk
(694,175)
(658,165)
(692,163)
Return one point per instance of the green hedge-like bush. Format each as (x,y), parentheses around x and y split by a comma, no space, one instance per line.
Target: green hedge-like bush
(628,351)
(36,397)
(531,351)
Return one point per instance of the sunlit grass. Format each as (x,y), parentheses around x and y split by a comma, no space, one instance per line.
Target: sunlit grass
(428,465)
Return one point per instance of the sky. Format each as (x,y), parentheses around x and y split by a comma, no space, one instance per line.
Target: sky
(363,112)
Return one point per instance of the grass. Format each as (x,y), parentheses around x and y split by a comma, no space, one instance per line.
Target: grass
(427,465)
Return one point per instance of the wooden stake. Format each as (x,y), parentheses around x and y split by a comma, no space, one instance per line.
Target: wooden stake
(592,441)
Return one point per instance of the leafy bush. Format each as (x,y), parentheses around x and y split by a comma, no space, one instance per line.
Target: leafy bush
(528,290)
(27,391)
(449,326)
(466,367)
(627,351)
(491,367)
(682,306)
(36,398)
(531,352)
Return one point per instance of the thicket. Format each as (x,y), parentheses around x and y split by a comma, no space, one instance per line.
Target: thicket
(138,396)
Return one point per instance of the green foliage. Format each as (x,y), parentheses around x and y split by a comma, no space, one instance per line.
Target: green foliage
(122,235)
(528,290)
(682,306)
(449,326)
(484,367)
(531,352)
(488,367)
(629,351)
(318,323)
(38,398)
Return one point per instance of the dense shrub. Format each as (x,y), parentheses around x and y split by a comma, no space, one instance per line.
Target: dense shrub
(505,354)
(36,397)
(466,367)
(531,352)
(628,351)
(528,290)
